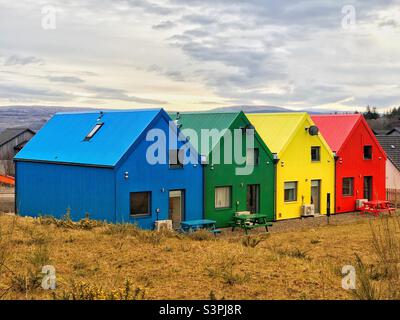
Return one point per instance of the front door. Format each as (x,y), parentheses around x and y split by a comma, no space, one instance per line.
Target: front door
(316,195)
(368,188)
(253,198)
(176,207)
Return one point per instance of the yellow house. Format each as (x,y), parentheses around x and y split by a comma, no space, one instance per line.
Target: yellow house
(305,165)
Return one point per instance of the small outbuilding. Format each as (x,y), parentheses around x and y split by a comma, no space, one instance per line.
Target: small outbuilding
(360,159)
(304,164)
(97,164)
(12,140)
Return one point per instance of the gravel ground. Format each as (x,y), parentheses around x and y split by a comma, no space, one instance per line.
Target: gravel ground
(312,222)
(303,224)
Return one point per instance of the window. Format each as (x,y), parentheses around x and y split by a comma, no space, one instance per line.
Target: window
(291,191)
(252,156)
(367,152)
(347,186)
(223,197)
(92,132)
(140,203)
(315,153)
(175,157)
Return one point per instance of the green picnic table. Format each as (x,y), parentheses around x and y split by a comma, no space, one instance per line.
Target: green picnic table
(251,221)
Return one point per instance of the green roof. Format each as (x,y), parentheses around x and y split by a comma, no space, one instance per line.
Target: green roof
(205,120)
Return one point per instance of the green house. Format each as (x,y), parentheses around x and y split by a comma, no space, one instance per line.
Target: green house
(227,189)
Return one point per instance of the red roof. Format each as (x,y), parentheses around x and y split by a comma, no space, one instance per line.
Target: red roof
(336,128)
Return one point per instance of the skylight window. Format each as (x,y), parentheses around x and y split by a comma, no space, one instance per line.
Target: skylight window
(92,132)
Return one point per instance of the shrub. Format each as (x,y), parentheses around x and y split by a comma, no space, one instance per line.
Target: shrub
(86,291)
(200,235)
(252,242)
(227,274)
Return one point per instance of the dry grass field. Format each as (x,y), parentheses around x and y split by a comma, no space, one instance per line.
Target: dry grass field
(99,261)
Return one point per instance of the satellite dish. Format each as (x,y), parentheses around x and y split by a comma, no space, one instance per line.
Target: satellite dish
(313,130)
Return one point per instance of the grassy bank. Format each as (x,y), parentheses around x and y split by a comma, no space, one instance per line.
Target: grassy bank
(117,262)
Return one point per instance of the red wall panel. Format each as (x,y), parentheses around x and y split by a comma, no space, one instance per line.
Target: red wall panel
(351,163)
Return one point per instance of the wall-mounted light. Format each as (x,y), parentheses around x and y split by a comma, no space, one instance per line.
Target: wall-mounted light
(162,190)
(126,175)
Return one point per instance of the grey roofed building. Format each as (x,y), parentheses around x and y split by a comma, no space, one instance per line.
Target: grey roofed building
(12,140)
(11,133)
(391,145)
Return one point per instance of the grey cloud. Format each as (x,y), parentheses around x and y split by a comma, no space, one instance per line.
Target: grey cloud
(14,60)
(389,23)
(103,93)
(15,92)
(171,74)
(164,25)
(65,79)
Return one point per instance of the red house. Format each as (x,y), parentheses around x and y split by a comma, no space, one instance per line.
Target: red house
(360,160)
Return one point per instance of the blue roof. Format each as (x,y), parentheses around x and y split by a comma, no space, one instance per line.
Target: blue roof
(62,138)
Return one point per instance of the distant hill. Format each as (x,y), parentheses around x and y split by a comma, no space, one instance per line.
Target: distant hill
(267,109)
(33,117)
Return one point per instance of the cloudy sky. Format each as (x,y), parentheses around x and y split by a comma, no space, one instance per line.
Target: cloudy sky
(200,54)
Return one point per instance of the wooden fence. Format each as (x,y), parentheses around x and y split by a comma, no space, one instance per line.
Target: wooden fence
(393,195)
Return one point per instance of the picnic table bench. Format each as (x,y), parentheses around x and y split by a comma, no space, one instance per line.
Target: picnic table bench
(250,221)
(377,207)
(194,225)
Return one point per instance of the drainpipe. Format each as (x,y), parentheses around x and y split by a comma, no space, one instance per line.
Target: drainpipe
(15,188)
(276,161)
(203,168)
(336,158)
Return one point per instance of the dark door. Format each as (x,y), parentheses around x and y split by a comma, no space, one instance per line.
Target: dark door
(176,207)
(253,198)
(368,188)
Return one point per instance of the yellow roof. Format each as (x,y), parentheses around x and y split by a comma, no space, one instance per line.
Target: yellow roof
(276,129)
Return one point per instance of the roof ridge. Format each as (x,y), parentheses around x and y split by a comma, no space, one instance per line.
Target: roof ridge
(108,111)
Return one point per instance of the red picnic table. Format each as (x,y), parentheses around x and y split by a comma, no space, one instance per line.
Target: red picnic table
(376,207)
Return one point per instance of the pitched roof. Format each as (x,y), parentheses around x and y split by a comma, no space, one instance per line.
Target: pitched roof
(205,120)
(276,129)
(394,131)
(62,138)
(336,128)
(10,133)
(391,145)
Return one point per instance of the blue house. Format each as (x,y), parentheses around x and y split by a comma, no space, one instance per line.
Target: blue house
(96,164)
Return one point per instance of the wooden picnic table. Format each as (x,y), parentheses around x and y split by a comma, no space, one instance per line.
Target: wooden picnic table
(193,225)
(376,207)
(251,221)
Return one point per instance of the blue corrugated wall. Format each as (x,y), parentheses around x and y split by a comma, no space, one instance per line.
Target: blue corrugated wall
(49,189)
(158,179)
